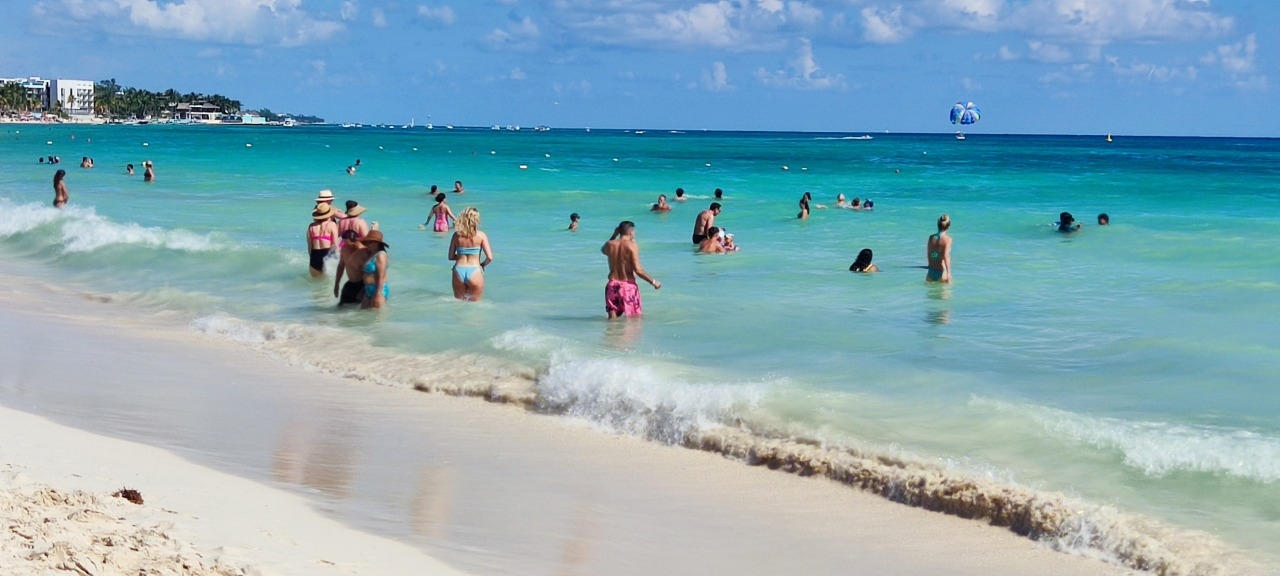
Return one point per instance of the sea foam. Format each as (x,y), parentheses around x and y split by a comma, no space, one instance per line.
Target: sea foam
(1158,448)
(636,398)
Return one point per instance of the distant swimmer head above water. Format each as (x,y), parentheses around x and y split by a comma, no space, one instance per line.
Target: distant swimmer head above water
(1067,223)
(1103,219)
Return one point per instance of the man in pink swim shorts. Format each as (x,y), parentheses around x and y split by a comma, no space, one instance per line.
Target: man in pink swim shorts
(621,294)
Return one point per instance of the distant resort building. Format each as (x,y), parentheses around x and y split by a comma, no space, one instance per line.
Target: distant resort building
(75,96)
(196,113)
(72,97)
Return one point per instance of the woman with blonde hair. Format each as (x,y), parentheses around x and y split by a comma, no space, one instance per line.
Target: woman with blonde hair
(465,247)
(938,252)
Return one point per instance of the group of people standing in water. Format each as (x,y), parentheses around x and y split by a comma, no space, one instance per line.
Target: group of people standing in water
(60,194)
(362,250)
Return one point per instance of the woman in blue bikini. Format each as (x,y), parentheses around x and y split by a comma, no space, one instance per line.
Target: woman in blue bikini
(465,247)
(376,289)
(938,251)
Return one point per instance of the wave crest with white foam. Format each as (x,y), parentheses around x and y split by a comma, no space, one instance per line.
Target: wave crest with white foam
(1158,448)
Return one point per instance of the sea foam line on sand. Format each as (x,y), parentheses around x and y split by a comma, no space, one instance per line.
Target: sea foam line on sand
(1062,523)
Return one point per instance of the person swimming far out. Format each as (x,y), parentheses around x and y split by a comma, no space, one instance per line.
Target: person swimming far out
(680,195)
(863,262)
(661,205)
(573,222)
(1104,220)
(1067,223)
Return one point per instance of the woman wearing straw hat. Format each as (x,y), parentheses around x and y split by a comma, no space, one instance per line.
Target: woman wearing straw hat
(374,252)
(464,249)
(353,221)
(320,237)
(326,197)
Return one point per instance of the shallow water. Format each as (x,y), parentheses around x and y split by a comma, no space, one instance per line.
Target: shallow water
(1130,365)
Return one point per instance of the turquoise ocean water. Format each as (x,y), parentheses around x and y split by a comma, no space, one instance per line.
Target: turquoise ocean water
(1132,367)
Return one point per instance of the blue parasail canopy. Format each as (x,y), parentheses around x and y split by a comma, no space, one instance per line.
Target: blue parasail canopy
(965,113)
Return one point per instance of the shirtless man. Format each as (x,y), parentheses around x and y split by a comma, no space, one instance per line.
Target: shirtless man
(662,205)
(353,291)
(713,244)
(621,294)
(706,219)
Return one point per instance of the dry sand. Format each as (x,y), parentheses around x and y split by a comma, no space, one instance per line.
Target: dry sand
(249,464)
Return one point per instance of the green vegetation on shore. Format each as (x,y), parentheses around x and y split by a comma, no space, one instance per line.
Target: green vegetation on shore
(111,100)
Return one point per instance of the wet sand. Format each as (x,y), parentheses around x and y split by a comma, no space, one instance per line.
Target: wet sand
(286,470)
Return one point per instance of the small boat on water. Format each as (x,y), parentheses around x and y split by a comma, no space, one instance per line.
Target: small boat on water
(1108,137)
(959,135)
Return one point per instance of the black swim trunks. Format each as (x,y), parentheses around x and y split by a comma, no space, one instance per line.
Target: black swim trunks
(698,238)
(352,293)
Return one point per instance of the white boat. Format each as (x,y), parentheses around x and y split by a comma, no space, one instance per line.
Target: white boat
(1108,137)
(959,135)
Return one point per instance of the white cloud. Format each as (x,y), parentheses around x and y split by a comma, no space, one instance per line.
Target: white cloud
(1151,72)
(1104,21)
(517,74)
(521,36)
(1064,21)
(739,25)
(443,14)
(884,27)
(1238,58)
(717,78)
(281,22)
(801,72)
(1042,52)
(379,18)
(349,10)
(1006,54)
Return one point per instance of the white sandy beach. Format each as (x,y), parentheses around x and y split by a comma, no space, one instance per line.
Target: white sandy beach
(249,465)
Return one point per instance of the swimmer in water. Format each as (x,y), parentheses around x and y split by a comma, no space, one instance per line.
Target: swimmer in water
(573,222)
(1067,223)
(938,252)
(60,195)
(465,248)
(662,205)
(621,294)
(863,262)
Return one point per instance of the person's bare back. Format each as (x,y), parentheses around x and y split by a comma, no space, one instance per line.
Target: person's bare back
(622,297)
(706,219)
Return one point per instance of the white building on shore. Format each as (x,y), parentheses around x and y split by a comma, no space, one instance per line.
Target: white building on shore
(76,96)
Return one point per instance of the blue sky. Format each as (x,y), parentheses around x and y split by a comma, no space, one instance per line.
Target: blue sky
(1169,67)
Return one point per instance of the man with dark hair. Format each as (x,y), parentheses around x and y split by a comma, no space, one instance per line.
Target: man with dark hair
(621,294)
(706,219)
